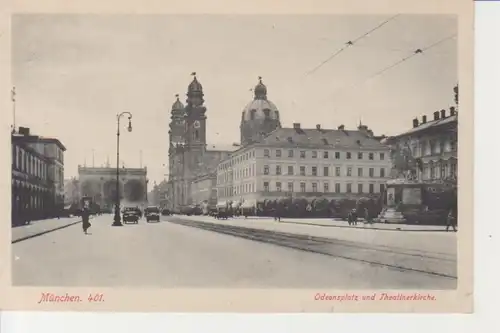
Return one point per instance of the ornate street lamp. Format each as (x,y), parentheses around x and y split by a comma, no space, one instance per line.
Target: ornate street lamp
(117,219)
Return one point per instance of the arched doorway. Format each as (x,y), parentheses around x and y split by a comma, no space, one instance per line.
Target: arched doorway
(134,191)
(109,191)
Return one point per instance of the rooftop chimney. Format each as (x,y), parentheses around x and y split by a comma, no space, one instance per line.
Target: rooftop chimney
(296,125)
(341,127)
(452,111)
(443,113)
(436,115)
(415,122)
(318,127)
(424,119)
(24,131)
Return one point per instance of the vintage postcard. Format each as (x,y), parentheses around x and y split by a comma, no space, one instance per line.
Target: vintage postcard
(252,158)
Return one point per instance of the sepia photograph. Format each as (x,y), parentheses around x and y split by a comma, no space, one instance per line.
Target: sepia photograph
(235,151)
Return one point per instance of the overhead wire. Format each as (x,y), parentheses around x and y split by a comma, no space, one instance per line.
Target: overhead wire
(399,62)
(350,43)
(416,52)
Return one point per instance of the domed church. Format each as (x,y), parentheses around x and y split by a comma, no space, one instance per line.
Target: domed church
(259,118)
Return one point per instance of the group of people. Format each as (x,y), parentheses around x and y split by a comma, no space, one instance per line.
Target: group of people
(352,216)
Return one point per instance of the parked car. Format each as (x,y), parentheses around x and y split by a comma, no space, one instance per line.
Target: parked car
(152,213)
(131,214)
(166,212)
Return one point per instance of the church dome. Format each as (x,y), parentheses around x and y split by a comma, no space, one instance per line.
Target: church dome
(177,106)
(195,85)
(260,108)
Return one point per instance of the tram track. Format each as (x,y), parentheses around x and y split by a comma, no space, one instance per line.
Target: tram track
(394,258)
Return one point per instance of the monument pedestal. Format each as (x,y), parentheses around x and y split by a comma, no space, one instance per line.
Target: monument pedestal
(403,197)
(391,215)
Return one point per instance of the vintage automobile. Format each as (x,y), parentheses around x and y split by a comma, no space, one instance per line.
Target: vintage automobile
(166,212)
(131,214)
(152,213)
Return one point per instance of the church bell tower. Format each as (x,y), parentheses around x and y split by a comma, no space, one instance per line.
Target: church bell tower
(195,123)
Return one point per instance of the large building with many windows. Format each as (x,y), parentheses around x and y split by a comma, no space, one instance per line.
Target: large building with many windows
(304,163)
(37,176)
(433,143)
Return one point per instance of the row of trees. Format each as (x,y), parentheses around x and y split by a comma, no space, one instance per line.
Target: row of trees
(322,207)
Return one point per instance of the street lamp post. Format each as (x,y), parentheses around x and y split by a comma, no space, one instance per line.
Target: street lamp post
(117,220)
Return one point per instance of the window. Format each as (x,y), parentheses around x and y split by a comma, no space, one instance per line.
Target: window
(371,172)
(349,172)
(360,172)
(453,169)
(382,173)
(278,169)
(290,187)
(337,155)
(314,154)
(19,158)
(302,154)
(442,172)
(326,187)
(453,144)
(278,186)
(325,171)
(370,188)
(360,156)
(315,187)
(266,186)
(434,147)
(370,156)
(433,172)
(348,155)
(337,171)
(349,188)
(382,156)
(266,152)
(266,169)
(314,171)
(360,188)
(290,153)
(290,170)
(278,153)
(337,188)
(382,188)
(325,154)
(302,187)
(302,170)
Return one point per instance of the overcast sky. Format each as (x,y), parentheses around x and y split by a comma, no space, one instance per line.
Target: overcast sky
(74,73)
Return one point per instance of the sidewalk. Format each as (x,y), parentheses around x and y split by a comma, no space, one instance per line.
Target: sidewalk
(40,227)
(425,239)
(327,222)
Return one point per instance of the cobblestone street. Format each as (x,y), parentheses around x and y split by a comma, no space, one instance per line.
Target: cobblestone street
(167,254)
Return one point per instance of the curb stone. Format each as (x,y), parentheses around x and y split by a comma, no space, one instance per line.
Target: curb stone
(44,232)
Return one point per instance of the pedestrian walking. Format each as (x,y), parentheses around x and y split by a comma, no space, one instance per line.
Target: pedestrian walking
(86,220)
(367,216)
(451,220)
